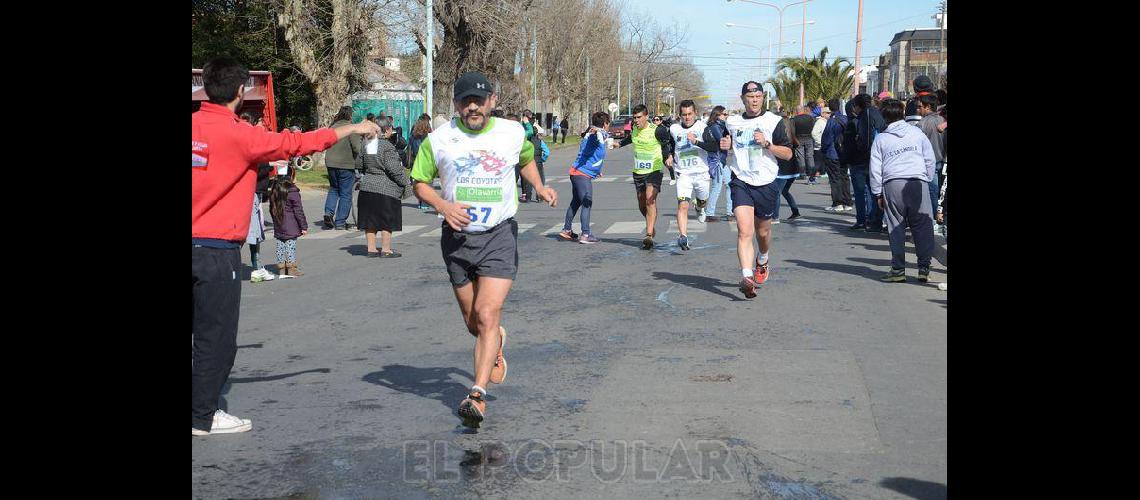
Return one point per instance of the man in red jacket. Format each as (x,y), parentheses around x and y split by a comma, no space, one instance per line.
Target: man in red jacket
(226,152)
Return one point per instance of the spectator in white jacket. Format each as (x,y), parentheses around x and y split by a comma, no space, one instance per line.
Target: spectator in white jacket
(902,164)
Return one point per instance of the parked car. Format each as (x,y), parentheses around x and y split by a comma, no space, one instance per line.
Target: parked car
(620,126)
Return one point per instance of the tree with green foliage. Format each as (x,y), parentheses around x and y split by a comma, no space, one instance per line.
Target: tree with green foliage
(820,78)
(247,30)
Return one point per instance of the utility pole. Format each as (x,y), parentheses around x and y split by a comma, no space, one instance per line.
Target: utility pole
(619,87)
(629,93)
(534,72)
(803,32)
(941,43)
(430,76)
(858,49)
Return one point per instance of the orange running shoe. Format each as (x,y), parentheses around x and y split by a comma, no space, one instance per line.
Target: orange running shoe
(499,371)
(760,273)
(471,410)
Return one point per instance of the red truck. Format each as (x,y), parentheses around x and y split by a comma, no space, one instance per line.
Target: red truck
(258,96)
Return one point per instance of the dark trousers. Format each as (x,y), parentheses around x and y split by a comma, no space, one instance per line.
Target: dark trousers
(908,205)
(839,181)
(583,188)
(217,300)
(867,212)
(527,188)
(339,200)
(785,186)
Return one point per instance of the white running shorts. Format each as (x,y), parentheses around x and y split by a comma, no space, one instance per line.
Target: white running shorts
(691,187)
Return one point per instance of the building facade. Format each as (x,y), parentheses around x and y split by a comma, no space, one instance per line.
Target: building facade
(916,52)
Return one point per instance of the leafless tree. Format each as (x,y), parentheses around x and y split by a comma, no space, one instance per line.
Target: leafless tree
(329,41)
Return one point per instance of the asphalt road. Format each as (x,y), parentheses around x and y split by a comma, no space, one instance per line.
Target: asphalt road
(632,372)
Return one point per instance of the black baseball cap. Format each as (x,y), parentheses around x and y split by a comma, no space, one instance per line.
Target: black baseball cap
(751,86)
(472,83)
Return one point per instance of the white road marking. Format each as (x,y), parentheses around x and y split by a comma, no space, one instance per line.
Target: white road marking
(636,227)
(693,227)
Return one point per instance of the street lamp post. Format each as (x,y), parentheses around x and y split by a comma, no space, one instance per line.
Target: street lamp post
(771,60)
(781,21)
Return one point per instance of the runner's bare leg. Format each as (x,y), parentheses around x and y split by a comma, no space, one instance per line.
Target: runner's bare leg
(683,217)
(745,230)
(650,210)
(488,316)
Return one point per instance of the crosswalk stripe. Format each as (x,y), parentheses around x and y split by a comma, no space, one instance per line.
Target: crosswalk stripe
(433,233)
(526,227)
(327,234)
(693,227)
(606,179)
(625,227)
(407,229)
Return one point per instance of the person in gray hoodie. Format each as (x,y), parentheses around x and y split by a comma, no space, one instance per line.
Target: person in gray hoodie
(902,164)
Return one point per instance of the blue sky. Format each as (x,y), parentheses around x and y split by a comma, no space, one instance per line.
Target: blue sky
(835,26)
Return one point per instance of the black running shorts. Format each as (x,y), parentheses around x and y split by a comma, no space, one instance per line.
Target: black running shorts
(493,253)
(640,180)
(762,199)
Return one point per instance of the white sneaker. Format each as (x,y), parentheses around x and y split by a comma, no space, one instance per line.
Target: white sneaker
(942,286)
(224,423)
(672,182)
(701,217)
(261,275)
(775,221)
(837,208)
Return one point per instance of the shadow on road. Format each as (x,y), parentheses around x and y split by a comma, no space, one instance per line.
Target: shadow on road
(915,488)
(705,283)
(433,383)
(359,250)
(883,263)
(866,272)
(246,380)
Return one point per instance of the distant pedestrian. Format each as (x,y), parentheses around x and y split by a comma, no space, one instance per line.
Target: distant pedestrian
(587,167)
(863,126)
(532,131)
(420,130)
(929,123)
(822,114)
(804,124)
(565,125)
(256,233)
(790,169)
(922,86)
(289,222)
(381,189)
(721,174)
(831,146)
(341,164)
(555,127)
(901,166)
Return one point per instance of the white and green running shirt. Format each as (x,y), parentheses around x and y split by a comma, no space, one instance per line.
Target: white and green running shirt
(476,168)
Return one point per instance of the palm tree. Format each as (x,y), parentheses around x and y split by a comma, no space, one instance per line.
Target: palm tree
(787,89)
(820,78)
